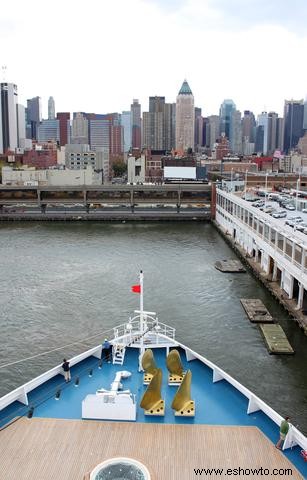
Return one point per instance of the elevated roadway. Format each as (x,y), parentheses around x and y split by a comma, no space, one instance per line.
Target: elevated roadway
(180,201)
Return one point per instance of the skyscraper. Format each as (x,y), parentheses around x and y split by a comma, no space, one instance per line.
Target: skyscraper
(272,132)
(235,132)
(8,117)
(248,126)
(198,128)
(169,126)
(99,133)
(51,109)
(21,124)
(262,133)
(305,115)
(136,124)
(126,123)
(116,133)
(79,130)
(64,125)
(48,130)
(293,123)
(213,130)
(33,116)
(185,118)
(226,109)
(153,124)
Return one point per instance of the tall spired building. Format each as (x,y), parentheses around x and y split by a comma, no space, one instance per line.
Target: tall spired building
(185,118)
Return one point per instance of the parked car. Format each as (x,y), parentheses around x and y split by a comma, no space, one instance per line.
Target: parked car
(290,207)
(279,214)
(293,222)
(304,210)
(301,226)
(269,209)
(268,205)
(258,204)
(296,217)
(273,196)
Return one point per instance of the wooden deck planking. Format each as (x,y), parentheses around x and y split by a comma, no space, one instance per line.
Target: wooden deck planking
(55,449)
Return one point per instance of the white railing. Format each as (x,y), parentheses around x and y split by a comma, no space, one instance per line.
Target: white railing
(294,437)
(120,333)
(21,393)
(126,332)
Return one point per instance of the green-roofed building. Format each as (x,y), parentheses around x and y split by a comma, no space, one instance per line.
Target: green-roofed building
(185,118)
(185,89)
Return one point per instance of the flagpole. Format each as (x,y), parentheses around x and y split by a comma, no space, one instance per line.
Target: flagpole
(141,321)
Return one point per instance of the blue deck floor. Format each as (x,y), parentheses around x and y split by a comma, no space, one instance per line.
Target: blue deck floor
(215,403)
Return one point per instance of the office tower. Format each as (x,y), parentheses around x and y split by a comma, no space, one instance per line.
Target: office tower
(280,134)
(116,133)
(8,117)
(305,115)
(51,109)
(198,128)
(262,133)
(79,129)
(99,132)
(248,126)
(48,131)
(185,118)
(272,132)
(293,123)
(235,132)
(21,124)
(126,124)
(213,128)
(158,125)
(33,117)
(153,124)
(226,109)
(64,125)
(169,126)
(136,124)
(206,132)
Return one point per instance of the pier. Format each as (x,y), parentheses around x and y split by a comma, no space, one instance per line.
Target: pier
(276,253)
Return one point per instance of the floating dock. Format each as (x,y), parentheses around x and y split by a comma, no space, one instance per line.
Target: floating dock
(256,310)
(230,266)
(275,339)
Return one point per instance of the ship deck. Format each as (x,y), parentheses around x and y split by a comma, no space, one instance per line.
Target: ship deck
(45,449)
(220,411)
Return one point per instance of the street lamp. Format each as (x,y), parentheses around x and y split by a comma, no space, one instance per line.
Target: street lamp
(297,185)
(245,184)
(231,179)
(266,188)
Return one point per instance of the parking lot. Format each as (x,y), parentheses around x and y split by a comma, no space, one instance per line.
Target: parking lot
(293,221)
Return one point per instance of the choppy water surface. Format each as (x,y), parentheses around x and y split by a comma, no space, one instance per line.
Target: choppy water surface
(61,283)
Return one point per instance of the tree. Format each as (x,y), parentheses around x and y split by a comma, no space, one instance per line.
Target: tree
(119,168)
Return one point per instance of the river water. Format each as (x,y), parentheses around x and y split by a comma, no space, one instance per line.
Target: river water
(61,283)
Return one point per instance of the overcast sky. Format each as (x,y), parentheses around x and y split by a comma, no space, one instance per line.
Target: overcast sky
(96,56)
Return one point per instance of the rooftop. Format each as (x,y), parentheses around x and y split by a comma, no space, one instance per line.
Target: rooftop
(185,89)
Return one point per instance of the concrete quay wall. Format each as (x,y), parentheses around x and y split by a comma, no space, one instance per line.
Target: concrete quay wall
(290,305)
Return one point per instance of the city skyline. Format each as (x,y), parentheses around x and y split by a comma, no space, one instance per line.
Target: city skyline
(250,52)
